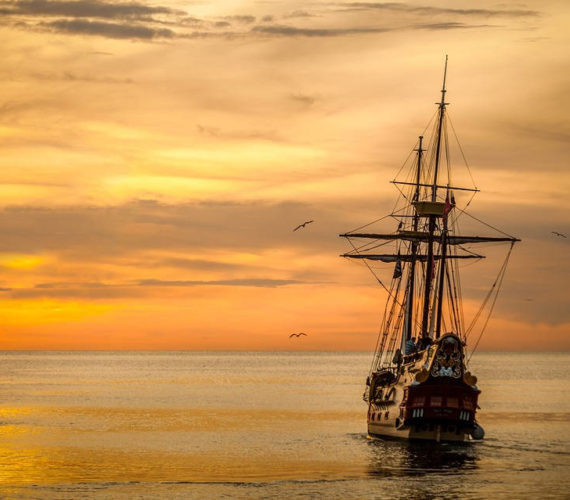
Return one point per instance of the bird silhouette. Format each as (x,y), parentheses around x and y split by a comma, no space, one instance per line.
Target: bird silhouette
(298,334)
(300,226)
(559,234)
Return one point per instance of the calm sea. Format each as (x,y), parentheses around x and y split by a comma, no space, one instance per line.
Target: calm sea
(265,425)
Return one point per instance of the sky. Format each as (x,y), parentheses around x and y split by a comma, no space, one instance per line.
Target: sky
(156,156)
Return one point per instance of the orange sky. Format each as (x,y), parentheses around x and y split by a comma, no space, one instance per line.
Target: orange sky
(155,157)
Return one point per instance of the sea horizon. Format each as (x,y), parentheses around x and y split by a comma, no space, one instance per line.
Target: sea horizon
(315,351)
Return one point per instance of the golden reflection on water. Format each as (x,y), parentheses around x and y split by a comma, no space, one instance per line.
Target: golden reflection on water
(189,419)
(65,465)
(65,445)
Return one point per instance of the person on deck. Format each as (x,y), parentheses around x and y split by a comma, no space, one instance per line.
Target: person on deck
(410,347)
(397,359)
(424,343)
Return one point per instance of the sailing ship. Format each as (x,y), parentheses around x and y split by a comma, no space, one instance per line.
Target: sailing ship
(419,385)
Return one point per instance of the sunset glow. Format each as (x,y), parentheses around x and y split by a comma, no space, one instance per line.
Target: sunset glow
(156,156)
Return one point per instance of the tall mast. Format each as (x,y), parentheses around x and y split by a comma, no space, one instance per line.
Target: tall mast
(411,286)
(442,265)
(442,105)
(430,259)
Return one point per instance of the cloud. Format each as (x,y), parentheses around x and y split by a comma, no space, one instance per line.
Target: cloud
(282,30)
(86,8)
(111,30)
(268,135)
(241,19)
(94,17)
(101,233)
(450,26)
(80,291)
(139,21)
(49,286)
(197,264)
(137,288)
(292,31)
(298,13)
(254,282)
(76,77)
(307,100)
(429,11)
(193,21)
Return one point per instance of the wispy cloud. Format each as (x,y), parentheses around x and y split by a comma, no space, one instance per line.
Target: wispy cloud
(292,31)
(217,132)
(111,30)
(451,26)
(429,10)
(283,30)
(307,100)
(139,21)
(71,76)
(102,233)
(95,17)
(140,288)
(298,13)
(198,264)
(255,282)
(241,19)
(86,8)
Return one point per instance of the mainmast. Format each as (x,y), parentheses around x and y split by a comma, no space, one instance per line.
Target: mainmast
(443,247)
(431,230)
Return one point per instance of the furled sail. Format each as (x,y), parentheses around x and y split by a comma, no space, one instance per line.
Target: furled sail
(423,237)
(407,258)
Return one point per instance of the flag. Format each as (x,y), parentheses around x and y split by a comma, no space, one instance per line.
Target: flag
(447,208)
(398,268)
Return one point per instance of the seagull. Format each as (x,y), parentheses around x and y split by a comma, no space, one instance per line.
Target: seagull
(298,334)
(303,225)
(559,234)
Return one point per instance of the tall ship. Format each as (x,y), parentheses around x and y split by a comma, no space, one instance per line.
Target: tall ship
(419,385)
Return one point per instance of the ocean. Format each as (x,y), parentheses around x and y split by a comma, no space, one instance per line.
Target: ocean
(265,425)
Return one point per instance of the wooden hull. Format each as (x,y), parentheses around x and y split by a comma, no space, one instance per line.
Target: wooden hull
(426,432)
(429,397)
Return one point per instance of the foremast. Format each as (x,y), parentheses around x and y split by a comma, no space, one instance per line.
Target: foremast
(409,315)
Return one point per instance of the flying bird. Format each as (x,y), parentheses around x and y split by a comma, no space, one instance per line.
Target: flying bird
(298,334)
(559,234)
(303,225)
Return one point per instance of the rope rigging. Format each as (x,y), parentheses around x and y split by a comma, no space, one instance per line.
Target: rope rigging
(494,291)
(425,243)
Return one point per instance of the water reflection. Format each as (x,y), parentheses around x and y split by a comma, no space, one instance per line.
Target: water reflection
(414,458)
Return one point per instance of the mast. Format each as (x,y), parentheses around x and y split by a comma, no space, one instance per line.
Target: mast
(430,260)
(442,105)
(446,210)
(411,287)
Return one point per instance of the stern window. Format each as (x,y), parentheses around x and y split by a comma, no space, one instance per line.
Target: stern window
(452,403)
(435,401)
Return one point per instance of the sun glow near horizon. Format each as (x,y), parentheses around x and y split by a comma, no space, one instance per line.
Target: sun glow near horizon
(154,166)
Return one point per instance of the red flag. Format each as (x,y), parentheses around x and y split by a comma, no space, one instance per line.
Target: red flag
(447,208)
(398,268)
